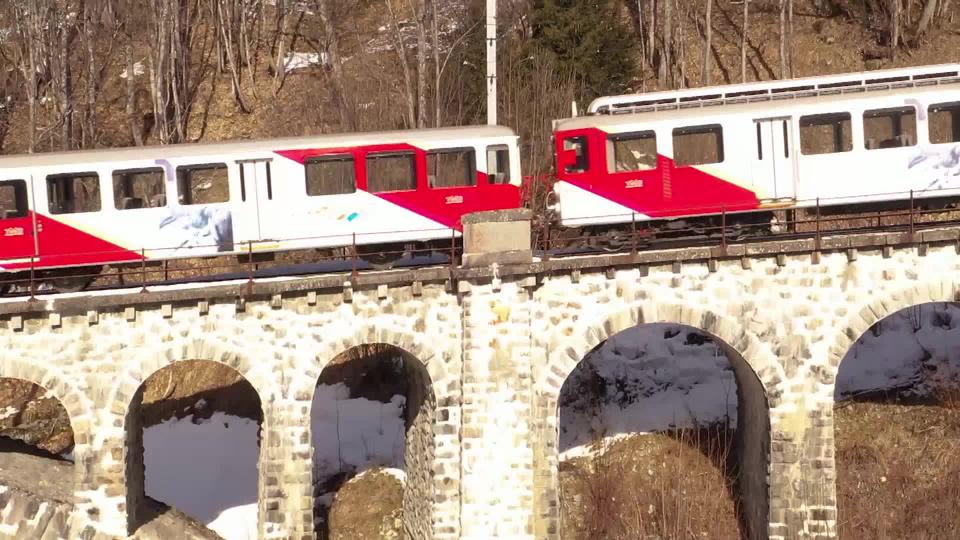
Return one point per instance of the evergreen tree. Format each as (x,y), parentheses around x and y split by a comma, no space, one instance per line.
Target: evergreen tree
(591,39)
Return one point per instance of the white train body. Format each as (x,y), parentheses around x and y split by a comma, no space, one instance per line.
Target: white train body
(844,139)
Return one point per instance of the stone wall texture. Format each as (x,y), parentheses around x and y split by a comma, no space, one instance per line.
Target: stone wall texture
(494,354)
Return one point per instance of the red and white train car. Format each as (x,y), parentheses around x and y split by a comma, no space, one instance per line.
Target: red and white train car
(91,208)
(844,139)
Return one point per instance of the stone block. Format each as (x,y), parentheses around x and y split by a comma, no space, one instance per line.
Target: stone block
(500,236)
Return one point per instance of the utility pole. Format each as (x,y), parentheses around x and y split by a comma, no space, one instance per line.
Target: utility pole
(492,62)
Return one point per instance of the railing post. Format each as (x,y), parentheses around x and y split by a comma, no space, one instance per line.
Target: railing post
(546,240)
(633,234)
(911,216)
(143,270)
(33,275)
(249,267)
(353,270)
(453,248)
(723,232)
(817,222)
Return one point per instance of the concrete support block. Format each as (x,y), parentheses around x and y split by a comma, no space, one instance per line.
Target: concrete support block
(500,236)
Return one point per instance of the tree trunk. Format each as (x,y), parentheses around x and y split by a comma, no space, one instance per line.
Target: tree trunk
(666,67)
(706,76)
(437,122)
(790,38)
(422,64)
(334,69)
(65,83)
(136,131)
(410,98)
(929,9)
(90,115)
(743,40)
(783,39)
(894,26)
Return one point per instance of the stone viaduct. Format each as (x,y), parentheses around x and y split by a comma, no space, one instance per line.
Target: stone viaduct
(496,343)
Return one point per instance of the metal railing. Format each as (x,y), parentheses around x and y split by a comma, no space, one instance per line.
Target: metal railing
(252,260)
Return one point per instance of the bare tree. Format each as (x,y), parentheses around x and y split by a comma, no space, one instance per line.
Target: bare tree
(929,10)
(894,26)
(708,43)
(178,64)
(401,50)
(333,68)
(743,40)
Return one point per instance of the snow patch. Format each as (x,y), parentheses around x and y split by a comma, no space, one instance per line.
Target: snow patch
(207,469)
(236,523)
(138,69)
(303,60)
(355,434)
(916,348)
(648,378)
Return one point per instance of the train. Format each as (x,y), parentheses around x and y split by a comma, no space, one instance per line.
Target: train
(658,161)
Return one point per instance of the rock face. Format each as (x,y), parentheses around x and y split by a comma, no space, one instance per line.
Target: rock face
(36,495)
(368,508)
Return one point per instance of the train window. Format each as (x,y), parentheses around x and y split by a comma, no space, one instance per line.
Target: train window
(825,134)
(391,172)
(945,123)
(203,184)
(13,199)
(698,145)
(577,145)
(138,188)
(73,193)
(632,152)
(498,164)
(330,175)
(890,128)
(451,168)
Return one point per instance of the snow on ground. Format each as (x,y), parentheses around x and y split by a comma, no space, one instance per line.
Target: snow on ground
(302,60)
(207,469)
(237,523)
(351,435)
(915,347)
(648,378)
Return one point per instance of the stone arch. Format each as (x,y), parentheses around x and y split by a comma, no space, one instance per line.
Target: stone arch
(368,334)
(444,391)
(889,302)
(758,374)
(881,305)
(73,399)
(127,395)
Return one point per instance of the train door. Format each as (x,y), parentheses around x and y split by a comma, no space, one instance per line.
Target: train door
(17,240)
(773,170)
(248,221)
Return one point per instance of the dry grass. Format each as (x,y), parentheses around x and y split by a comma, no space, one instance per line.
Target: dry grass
(669,485)
(898,471)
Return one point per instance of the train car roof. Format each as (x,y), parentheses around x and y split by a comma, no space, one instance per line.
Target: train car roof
(760,106)
(47,159)
(608,104)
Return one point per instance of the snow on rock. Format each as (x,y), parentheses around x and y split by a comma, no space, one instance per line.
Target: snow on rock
(648,378)
(916,348)
(207,469)
(236,523)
